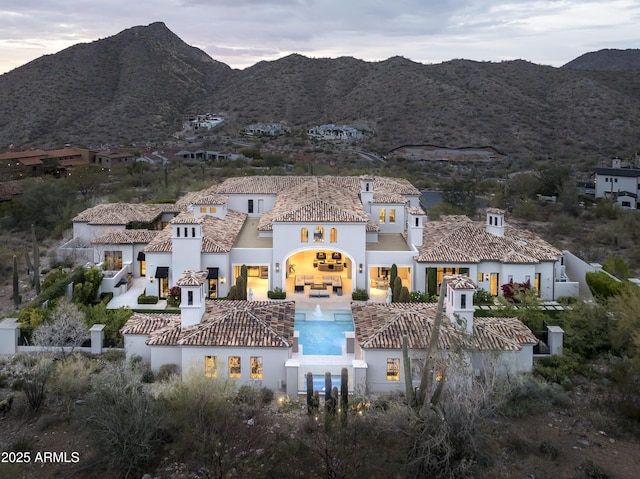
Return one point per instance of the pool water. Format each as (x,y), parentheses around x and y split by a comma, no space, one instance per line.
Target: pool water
(323,336)
(318,383)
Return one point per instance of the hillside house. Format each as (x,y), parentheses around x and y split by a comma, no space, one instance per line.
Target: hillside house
(331,132)
(618,183)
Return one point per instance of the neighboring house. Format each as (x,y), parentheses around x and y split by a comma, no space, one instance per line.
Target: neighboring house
(206,155)
(36,162)
(255,342)
(297,232)
(619,183)
(333,132)
(109,159)
(265,129)
(204,122)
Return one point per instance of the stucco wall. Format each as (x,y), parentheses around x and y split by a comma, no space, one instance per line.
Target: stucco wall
(134,345)
(273,361)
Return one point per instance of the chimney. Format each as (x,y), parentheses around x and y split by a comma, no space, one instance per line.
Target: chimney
(192,296)
(616,163)
(416,219)
(495,222)
(459,301)
(366,193)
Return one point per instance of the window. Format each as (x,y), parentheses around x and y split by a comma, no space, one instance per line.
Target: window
(113,260)
(480,277)
(383,213)
(190,298)
(164,288)
(626,204)
(210,367)
(193,232)
(304,235)
(203,209)
(318,234)
(256,367)
(234,367)
(178,232)
(494,279)
(393,369)
(417,221)
(333,235)
(463,301)
(212,209)
(250,206)
(392,215)
(213,288)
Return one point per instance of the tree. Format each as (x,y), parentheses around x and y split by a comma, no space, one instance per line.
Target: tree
(85,179)
(617,266)
(66,328)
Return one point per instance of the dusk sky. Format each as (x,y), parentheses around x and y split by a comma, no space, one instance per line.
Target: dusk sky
(241,33)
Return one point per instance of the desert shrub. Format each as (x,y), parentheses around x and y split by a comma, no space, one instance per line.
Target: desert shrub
(586,328)
(122,422)
(35,377)
(602,286)
(254,397)
(528,395)
(207,429)
(166,372)
(72,379)
(558,369)
(591,470)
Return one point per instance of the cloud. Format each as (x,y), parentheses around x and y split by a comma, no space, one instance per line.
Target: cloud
(243,32)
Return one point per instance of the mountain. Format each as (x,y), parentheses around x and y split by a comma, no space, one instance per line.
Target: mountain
(137,85)
(607,59)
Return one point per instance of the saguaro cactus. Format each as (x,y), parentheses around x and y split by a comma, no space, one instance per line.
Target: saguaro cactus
(408,383)
(16,285)
(310,393)
(36,260)
(327,391)
(344,395)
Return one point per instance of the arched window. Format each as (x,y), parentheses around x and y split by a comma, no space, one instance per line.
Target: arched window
(333,235)
(304,235)
(318,234)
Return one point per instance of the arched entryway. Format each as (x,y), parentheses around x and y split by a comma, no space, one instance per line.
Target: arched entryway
(321,272)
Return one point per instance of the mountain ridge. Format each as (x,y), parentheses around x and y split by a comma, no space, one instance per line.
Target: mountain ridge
(138,84)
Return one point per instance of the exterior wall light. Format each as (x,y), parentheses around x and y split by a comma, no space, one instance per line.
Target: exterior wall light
(277,267)
(151,278)
(360,267)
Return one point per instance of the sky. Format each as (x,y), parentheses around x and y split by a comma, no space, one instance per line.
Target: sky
(241,33)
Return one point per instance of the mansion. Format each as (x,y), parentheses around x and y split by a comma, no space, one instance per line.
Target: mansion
(300,233)
(319,239)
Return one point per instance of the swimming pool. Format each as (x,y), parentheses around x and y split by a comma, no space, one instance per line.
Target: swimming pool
(323,334)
